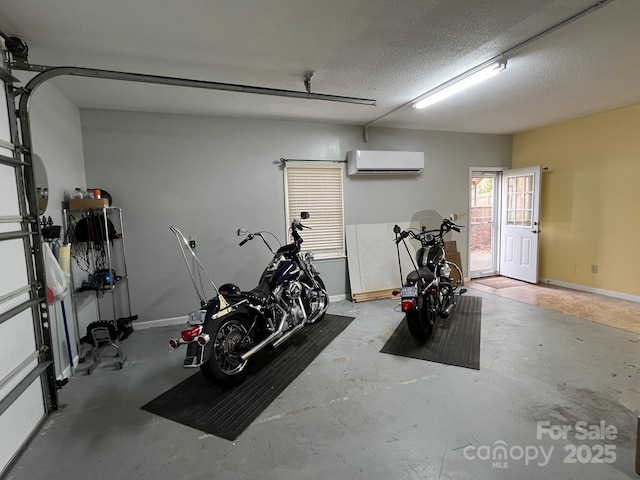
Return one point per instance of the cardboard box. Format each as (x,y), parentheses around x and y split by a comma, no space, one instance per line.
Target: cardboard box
(87,203)
(455,258)
(450,247)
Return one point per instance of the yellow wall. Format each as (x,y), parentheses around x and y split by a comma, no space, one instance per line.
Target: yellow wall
(590,211)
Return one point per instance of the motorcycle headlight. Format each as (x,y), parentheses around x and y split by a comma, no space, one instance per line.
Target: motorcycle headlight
(308,257)
(446,271)
(274,263)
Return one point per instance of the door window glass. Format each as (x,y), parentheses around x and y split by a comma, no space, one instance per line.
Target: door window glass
(520,201)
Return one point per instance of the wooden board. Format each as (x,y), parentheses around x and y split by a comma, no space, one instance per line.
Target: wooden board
(376,295)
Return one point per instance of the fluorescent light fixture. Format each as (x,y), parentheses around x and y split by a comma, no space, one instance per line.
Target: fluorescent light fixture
(460,83)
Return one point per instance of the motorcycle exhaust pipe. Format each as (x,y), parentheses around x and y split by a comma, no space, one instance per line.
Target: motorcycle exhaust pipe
(447,311)
(246,355)
(287,335)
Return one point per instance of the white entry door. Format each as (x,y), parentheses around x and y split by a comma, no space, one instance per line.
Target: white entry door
(520,224)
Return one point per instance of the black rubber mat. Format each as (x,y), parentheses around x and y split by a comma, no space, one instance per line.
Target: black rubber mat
(454,341)
(227,412)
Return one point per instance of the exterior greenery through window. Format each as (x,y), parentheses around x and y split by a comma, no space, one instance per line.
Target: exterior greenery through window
(316,187)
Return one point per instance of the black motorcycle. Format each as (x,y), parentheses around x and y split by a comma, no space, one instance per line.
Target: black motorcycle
(230,328)
(430,290)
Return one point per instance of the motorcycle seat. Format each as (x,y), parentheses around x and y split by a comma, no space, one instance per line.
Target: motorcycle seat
(422,272)
(259,294)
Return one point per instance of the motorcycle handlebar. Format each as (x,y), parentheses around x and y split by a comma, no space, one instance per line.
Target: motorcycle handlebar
(402,235)
(298,225)
(249,237)
(446,226)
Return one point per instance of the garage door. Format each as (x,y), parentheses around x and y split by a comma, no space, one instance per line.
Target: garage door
(27,382)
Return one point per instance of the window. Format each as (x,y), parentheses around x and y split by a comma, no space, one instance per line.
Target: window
(316,187)
(520,201)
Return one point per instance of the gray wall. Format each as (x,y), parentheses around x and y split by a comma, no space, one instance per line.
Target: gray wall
(208,176)
(55,126)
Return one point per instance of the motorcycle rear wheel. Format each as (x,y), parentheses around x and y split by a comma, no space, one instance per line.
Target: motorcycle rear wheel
(421,322)
(229,338)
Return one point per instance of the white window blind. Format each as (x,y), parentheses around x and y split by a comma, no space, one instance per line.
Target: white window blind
(316,187)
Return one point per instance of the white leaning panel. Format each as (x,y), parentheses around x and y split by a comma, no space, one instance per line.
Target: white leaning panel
(372,257)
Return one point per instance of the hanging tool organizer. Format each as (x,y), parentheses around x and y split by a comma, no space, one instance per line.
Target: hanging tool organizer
(99,269)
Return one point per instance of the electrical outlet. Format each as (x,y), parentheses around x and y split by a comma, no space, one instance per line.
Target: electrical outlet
(594,268)
(192,241)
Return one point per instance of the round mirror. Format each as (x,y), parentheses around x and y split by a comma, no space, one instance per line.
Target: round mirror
(42,183)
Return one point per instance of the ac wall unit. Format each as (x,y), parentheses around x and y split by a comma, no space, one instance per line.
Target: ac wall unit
(372,162)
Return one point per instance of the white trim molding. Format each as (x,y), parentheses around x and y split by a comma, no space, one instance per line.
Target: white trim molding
(585,288)
(162,322)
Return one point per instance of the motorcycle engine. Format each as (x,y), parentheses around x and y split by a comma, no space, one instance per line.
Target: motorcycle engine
(289,297)
(292,291)
(445,270)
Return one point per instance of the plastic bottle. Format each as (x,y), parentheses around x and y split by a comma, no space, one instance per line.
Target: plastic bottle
(89,194)
(78,193)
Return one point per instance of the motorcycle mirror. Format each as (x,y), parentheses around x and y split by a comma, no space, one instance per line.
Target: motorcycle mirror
(304,215)
(242,231)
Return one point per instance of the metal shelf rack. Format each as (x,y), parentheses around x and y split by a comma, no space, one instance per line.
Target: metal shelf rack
(114,260)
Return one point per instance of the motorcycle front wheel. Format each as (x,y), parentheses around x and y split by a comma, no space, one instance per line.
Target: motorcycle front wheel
(322,301)
(446,292)
(230,337)
(421,322)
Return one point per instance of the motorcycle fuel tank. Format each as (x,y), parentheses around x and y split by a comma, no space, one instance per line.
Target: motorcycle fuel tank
(429,256)
(286,271)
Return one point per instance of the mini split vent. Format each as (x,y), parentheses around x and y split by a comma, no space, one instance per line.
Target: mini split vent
(370,162)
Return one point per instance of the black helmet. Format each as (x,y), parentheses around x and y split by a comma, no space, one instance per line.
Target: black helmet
(229,290)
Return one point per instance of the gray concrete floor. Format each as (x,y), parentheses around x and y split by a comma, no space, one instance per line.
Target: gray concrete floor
(359,413)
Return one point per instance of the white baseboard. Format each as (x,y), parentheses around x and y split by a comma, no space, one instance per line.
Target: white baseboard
(163,322)
(584,288)
(66,373)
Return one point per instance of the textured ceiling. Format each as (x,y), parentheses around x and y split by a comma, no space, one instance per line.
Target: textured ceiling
(390,51)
